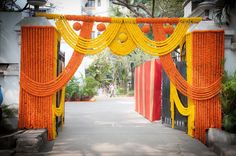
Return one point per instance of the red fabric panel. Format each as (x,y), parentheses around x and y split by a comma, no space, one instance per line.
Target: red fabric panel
(147,82)
(141,90)
(147,68)
(136,89)
(157,92)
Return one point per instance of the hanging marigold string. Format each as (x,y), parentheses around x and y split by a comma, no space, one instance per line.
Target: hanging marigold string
(159,35)
(58,111)
(50,87)
(200,74)
(38,64)
(122,36)
(87,46)
(174,95)
(194,92)
(36,109)
(185,111)
(135,37)
(189,69)
(111,37)
(208,112)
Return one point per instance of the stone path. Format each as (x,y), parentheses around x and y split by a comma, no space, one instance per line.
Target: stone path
(111,127)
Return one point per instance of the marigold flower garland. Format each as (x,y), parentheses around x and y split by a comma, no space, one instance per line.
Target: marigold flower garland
(37,80)
(38,89)
(111,38)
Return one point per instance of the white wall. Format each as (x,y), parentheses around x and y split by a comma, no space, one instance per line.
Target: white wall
(102,10)
(9,49)
(67,6)
(10,54)
(230,61)
(10,88)
(230,54)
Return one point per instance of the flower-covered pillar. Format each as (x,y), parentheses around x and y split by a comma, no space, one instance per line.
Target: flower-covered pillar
(38,62)
(38,78)
(205,53)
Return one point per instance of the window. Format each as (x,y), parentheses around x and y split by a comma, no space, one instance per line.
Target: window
(90,3)
(99,3)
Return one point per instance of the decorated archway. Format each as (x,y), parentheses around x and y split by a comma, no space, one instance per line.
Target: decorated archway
(39,82)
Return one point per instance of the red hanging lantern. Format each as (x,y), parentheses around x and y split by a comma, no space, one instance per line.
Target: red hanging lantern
(146,28)
(77,26)
(101,27)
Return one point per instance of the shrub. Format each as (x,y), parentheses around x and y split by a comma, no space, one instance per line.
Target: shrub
(130,93)
(8,112)
(121,91)
(78,89)
(90,87)
(73,89)
(228,100)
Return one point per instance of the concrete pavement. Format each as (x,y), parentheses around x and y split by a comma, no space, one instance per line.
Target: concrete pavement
(111,127)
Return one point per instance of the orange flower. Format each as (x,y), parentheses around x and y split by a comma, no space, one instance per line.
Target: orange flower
(146,28)
(168,29)
(77,26)
(101,27)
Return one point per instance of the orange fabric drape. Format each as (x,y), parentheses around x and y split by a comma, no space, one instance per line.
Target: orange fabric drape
(37,78)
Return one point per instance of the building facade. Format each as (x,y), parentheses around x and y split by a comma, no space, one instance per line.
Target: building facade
(9,56)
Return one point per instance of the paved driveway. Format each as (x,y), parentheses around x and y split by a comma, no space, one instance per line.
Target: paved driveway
(111,127)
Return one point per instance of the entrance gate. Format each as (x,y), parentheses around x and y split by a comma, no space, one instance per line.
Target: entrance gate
(39,83)
(168,117)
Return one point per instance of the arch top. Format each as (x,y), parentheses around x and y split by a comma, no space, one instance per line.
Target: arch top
(120,19)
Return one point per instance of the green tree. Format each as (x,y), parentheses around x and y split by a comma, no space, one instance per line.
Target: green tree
(152,8)
(101,69)
(108,68)
(89,87)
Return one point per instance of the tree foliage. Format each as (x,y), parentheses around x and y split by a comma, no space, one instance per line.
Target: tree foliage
(151,8)
(80,88)
(101,69)
(223,11)
(107,68)
(89,87)
(9,5)
(228,100)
